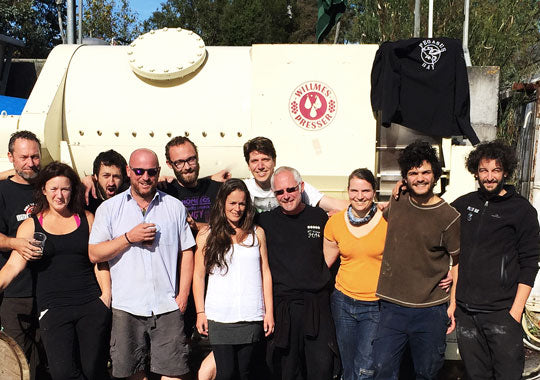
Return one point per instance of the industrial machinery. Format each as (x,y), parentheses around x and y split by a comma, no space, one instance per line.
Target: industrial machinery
(311,100)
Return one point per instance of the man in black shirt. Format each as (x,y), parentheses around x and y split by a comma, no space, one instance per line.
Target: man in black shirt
(17,311)
(304,345)
(109,177)
(500,246)
(197,194)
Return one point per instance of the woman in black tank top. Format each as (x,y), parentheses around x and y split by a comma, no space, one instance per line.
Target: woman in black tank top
(73,313)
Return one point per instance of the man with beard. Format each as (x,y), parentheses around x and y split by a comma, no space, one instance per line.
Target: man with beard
(421,243)
(500,247)
(17,311)
(108,176)
(196,194)
(143,234)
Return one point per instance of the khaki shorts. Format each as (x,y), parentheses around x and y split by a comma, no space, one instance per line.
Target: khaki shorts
(156,344)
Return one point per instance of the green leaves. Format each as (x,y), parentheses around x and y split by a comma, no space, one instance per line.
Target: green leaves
(110,19)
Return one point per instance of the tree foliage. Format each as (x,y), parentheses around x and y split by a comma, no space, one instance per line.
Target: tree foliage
(32,21)
(230,22)
(110,19)
(501,33)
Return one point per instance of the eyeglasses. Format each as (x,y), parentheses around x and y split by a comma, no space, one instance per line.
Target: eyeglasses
(152,172)
(288,190)
(179,164)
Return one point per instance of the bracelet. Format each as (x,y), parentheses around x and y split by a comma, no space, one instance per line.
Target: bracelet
(125,235)
(200,312)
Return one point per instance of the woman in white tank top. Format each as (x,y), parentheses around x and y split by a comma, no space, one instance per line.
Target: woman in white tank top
(238,307)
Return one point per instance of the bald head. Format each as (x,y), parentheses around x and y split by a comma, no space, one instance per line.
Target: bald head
(143,155)
(143,173)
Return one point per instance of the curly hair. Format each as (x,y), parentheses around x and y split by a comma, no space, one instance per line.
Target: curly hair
(58,169)
(260,144)
(219,240)
(492,150)
(415,154)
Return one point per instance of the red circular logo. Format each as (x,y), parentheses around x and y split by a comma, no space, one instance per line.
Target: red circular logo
(313,105)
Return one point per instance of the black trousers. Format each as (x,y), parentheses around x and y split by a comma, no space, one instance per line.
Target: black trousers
(306,358)
(19,319)
(75,340)
(232,357)
(490,345)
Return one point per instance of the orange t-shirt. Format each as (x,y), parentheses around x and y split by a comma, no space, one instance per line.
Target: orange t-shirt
(361,257)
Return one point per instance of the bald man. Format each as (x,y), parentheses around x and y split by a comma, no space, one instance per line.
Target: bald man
(143,234)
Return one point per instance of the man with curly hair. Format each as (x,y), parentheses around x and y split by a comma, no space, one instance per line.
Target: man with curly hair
(500,247)
(422,242)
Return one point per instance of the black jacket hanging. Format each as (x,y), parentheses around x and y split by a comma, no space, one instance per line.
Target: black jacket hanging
(422,84)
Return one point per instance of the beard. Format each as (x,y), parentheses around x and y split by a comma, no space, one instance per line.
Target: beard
(491,193)
(188,178)
(28,175)
(103,192)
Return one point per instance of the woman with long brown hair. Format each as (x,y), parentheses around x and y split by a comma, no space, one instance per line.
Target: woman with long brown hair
(237,309)
(73,310)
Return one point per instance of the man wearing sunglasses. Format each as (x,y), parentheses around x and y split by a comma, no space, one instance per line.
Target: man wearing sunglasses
(197,194)
(144,236)
(304,344)
(260,155)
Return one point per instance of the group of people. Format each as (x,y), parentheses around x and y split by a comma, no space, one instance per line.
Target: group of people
(115,274)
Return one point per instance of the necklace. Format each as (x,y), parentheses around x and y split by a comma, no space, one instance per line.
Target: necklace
(358,221)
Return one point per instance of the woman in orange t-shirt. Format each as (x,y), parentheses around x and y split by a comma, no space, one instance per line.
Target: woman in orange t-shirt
(357,236)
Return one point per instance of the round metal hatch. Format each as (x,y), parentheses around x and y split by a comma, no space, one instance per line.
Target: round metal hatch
(167,53)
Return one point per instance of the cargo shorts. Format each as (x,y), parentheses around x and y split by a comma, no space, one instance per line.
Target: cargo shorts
(156,344)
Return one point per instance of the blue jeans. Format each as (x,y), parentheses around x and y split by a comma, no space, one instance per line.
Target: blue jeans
(425,331)
(356,326)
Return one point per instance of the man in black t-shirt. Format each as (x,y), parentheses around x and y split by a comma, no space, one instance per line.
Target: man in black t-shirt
(304,344)
(196,194)
(17,311)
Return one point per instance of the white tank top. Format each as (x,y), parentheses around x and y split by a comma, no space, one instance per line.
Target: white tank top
(236,295)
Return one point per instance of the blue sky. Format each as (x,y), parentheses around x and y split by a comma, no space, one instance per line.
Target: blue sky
(145,7)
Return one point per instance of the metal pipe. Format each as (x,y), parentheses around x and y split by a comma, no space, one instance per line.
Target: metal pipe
(417,18)
(430,20)
(337,32)
(466,53)
(70,28)
(80,20)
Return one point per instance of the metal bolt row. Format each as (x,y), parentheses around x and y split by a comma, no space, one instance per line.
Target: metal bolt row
(152,134)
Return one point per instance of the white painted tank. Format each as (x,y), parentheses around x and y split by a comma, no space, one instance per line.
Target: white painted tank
(311,100)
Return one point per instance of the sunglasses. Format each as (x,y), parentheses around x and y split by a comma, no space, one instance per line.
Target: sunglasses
(288,190)
(152,172)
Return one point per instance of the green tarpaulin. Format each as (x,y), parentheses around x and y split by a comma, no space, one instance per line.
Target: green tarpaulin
(330,12)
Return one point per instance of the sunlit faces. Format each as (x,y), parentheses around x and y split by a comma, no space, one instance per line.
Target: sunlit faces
(143,184)
(490,176)
(290,201)
(261,166)
(26,158)
(57,190)
(109,180)
(421,180)
(361,195)
(185,164)
(235,206)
